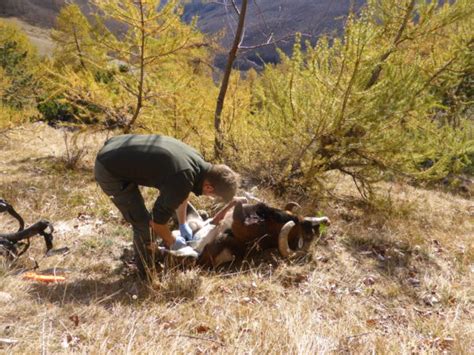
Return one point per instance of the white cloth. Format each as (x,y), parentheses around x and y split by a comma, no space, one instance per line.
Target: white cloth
(201,238)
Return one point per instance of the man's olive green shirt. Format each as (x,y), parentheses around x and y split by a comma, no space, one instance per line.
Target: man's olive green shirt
(163,162)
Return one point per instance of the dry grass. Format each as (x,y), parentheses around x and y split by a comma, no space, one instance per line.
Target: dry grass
(395,276)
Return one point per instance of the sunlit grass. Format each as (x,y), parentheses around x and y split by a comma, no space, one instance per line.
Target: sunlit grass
(394,277)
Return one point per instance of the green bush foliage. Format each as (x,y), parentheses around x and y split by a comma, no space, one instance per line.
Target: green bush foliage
(368,104)
(149,73)
(18,59)
(56,109)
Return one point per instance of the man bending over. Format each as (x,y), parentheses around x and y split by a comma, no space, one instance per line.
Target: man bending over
(128,161)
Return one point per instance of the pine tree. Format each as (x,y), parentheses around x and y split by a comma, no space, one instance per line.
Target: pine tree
(154,35)
(74,40)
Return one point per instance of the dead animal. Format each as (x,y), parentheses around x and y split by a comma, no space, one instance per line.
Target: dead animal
(241,227)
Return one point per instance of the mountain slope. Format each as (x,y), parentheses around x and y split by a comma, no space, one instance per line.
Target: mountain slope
(275,19)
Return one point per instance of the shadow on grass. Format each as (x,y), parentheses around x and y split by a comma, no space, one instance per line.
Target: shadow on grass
(392,260)
(104,291)
(49,164)
(388,254)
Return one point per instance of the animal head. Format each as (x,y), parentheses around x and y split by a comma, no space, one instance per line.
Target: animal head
(282,227)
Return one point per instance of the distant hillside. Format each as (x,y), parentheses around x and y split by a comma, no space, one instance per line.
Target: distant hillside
(266,18)
(40,37)
(36,12)
(276,18)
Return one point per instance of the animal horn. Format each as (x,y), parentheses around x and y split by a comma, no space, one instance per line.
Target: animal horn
(283,246)
(290,206)
(316,221)
(224,257)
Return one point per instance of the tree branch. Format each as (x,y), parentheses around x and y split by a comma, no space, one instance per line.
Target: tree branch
(378,68)
(218,142)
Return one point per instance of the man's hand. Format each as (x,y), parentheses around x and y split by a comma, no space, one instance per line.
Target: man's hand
(163,231)
(186,231)
(178,244)
(170,241)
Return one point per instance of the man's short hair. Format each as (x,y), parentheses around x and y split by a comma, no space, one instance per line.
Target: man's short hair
(224,180)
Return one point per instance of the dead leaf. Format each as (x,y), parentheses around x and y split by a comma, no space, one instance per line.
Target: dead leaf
(202,329)
(299,278)
(369,280)
(74,319)
(69,341)
(224,289)
(168,325)
(446,343)
(452,300)
(371,322)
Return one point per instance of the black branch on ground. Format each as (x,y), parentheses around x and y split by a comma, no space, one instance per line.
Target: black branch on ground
(9,242)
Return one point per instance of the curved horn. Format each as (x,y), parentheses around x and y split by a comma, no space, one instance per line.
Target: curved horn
(290,206)
(316,221)
(224,256)
(283,246)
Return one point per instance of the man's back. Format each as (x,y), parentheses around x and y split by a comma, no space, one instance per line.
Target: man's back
(150,160)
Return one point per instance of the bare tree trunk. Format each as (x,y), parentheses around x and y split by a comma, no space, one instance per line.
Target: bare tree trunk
(139,105)
(219,138)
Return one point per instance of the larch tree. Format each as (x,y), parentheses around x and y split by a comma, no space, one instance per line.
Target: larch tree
(118,63)
(73,36)
(18,64)
(369,104)
(148,34)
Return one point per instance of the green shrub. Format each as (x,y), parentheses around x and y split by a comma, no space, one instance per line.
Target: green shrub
(364,105)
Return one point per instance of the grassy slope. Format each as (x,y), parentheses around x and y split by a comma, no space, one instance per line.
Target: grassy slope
(356,291)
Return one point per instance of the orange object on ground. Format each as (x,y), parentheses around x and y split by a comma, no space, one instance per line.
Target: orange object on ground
(43,278)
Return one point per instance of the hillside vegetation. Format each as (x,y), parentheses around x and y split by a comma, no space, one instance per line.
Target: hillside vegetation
(373,129)
(276,19)
(39,37)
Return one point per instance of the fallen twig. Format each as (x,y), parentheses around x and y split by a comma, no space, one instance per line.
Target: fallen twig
(5,341)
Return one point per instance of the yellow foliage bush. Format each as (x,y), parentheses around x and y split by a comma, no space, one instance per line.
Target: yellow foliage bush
(366,105)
